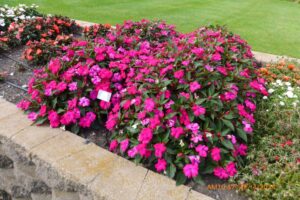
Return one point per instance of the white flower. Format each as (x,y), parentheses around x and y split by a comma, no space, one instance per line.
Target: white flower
(279,82)
(281,103)
(181,143)
(271,91)
(267,110)
(294,104)
(2,22)
(287,83)
(290,89)
(265,97)
(289,94)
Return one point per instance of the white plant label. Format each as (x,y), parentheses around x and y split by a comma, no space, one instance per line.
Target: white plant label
(103,95)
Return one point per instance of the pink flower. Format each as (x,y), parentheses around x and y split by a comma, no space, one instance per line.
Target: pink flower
(87,120)
(24,105)
(216,57)
(113,145)
(198,52)
(84,102)
(149,104)
(160,149)
(72,103)
(73,86)
(32,116)
(145,136)
(161,165)
(194,86)
(190,170)
(222,70)
(43,111)
(53,117)
(143,151)
(198,110)
(185,95)
(202,150)
(177,132)
(216,154)
(240,150)
(230,168)
(68,118)
(250,105)
(61,86)
(124,145)
(54,65)
(194,127)
(220,173)
(111,122)
(132,152)
(179,74)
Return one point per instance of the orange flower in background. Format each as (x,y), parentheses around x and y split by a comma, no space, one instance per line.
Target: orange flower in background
(107,25)
(38,51)
(4,39)
(291,66)
(286,78)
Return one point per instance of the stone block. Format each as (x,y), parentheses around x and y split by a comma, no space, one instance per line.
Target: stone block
(193,195)
(84,166)
(59,147)
(158,187)
(41,196)
(121,179)
(12,124)
(7,109)
(60,195)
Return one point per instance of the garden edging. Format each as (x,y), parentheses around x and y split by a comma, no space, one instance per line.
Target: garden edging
(56,164)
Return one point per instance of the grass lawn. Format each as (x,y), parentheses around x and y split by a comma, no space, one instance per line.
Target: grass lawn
(271,26)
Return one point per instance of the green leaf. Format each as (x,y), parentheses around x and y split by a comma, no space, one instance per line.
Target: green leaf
(228,124)
(169,116)
(54,102)
(208,169)
(40,121)
(227,144)
(132,130)
(180,179)
(171,171)
(75,129)
(199,180)
(242,134)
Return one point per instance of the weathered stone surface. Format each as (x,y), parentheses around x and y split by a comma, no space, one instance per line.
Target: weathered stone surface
(41,196)
(34,136)
(198,196)
(7,180)
(120,179)
(158,187)
(59,147)
(85,165)
(5,162)
(59,195)
(12,124)
(7,108)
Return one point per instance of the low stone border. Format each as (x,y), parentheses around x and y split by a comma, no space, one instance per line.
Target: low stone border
(41,163)
(260,56)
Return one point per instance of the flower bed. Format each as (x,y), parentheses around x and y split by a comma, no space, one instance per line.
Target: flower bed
(181,103)
(274,154)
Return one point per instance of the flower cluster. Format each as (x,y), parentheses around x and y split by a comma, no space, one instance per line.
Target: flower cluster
(283,70)
(183,103)
(16,14)
(36,29)
(96,30)
(40,52)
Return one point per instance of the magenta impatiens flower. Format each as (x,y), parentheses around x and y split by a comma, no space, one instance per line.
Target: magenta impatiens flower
(54,65)
(216,154)
(179,74)
(177,132)
(53,118)
(191,170)
(149,104)
(32,116)
(73,86)
(202,150)
(84,102)
(145,136)
(194,86)
(113,145)
(198,110)
(160,149)
(124,145)
(220,173)
(231,170)
(161,165)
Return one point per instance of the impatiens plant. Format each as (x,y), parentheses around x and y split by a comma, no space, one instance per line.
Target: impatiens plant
(180,104)
(36,29)
(40,52)
(16,14)
(188,110)
(96,30)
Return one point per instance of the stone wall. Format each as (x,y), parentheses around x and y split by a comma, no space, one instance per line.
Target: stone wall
(40,163)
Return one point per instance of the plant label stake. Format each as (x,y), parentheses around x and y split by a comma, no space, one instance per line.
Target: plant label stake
(103,95)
